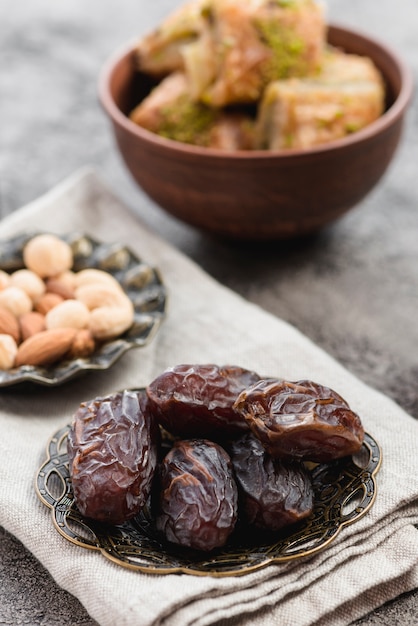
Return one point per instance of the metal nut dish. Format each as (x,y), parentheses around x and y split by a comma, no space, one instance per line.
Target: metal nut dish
(71,304)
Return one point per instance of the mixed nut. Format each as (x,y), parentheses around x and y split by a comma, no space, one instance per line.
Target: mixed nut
(208,447)
(49,312)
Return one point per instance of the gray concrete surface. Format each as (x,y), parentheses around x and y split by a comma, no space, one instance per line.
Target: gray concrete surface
(353,288)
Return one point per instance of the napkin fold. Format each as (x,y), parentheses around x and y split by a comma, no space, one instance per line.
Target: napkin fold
(370,562)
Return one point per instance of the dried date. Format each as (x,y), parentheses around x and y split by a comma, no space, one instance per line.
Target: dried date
(197,400)
(301,419)
(273,493)
(197,506)
(112,450)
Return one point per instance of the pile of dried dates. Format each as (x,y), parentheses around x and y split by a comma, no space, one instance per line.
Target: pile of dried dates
(238,449)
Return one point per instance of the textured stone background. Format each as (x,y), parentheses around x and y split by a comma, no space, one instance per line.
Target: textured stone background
(353,288)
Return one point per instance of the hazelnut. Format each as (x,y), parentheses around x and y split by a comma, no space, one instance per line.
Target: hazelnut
(29,282)
(67,278)
(8,351)
(83,345)
(4,279)
(15,300)
(47,255)
(69,313)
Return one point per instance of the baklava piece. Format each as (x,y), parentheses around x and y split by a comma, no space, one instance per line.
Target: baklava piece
(346,96)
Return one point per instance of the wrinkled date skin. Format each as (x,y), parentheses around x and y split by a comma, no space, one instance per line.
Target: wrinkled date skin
(198,497)
(112,450)
(302,419)
(273,493)
(197,400)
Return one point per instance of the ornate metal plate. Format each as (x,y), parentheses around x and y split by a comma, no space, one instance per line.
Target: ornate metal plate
(344,491)
(142,283)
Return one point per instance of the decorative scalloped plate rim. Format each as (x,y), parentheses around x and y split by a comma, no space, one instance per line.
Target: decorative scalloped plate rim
(137,546)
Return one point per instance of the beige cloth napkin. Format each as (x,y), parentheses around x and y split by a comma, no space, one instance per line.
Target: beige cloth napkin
(370,562)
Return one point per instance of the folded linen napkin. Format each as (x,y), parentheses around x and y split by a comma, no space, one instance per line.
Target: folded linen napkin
(370,562)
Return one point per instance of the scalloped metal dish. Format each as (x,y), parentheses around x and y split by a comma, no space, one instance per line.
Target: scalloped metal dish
(142,283)
(344,491)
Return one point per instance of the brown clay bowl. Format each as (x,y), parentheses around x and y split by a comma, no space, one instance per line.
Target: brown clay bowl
(259,194)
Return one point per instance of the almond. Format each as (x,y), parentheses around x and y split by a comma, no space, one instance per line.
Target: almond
(47,255)
(47,302)
(31,323)
(9,324)
(45,347)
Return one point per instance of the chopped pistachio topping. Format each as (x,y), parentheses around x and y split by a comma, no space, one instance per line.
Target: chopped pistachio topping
(352,127)
(286,3)
(287,50)
(187,121)
(289,140)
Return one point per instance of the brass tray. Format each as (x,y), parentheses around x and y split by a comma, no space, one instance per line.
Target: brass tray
(344,491)
(142,283)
